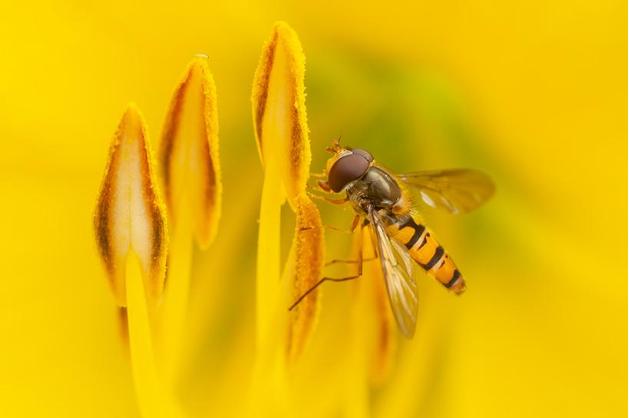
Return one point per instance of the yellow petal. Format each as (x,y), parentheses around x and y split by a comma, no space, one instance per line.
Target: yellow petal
(279,110)
(189,153)
(129,214)
(385,330)
(378,340)
(309,247)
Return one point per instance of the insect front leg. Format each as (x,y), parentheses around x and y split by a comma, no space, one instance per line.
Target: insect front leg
(323,187)
(328,200)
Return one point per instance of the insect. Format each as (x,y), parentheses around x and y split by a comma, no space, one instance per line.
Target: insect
(388,204)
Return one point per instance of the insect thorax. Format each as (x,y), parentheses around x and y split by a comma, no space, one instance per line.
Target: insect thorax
(376,189)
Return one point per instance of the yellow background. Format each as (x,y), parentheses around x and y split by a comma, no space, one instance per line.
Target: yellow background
(533,93)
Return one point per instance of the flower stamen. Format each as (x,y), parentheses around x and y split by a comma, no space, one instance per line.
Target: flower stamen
(129,213)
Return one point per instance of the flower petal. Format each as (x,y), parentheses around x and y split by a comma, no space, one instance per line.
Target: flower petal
(189,153)
(279,110)
(384,343)
(378,340)
(129,214)
(309,247)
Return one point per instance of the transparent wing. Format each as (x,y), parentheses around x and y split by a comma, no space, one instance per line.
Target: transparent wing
(399,276)
(457,191)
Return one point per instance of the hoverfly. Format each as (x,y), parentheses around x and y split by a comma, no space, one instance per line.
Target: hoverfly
(383,201)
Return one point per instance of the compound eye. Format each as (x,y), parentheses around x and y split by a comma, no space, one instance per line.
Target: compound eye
(347,169)
(365,154)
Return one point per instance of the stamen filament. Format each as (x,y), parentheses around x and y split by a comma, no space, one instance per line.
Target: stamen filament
(140,342)
(176,298)
(268,257)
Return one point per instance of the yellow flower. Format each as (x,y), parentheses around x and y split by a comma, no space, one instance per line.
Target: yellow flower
(421,87)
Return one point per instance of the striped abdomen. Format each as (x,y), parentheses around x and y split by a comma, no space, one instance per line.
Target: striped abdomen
(427,252)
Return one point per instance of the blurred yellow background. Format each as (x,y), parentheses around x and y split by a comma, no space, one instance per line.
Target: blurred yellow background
(533,93)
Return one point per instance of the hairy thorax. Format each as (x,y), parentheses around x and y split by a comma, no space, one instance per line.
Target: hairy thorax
(379,190)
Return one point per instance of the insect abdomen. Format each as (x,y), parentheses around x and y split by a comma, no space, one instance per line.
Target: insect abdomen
(427,252)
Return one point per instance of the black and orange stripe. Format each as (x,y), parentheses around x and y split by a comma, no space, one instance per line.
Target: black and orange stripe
(427,252)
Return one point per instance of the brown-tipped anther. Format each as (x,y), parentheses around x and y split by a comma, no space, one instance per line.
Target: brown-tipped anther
(129,214)
(279,110)
(309,260)
(189,156)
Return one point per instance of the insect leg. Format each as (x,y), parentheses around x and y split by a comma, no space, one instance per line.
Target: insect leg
(339,279)
(320,282)
(333,228)
(321,186)
(335,201)
(351,230)
(336,260)
(326,199)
